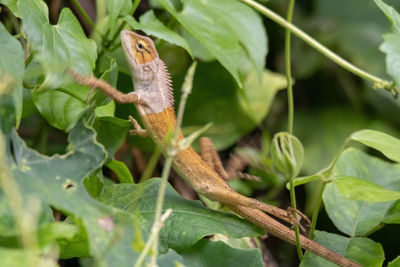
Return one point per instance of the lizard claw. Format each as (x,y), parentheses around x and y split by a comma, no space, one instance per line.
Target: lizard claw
(296,220)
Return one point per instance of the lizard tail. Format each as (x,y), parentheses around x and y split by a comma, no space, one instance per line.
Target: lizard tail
(275,228)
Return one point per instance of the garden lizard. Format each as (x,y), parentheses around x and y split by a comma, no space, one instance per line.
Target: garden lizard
(154,101)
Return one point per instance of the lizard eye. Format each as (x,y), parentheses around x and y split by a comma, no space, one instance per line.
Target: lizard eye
(140,46)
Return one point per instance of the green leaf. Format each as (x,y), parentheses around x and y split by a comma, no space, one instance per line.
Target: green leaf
(395,262)
(189,221)
(390,13)
(94,184)
(382,142)
(56,231)
(111,132)
(393,214)
(170,259)
(19,257)
(222,27)
(391,47)
(60,109)
(12,69)
(57,180)
(358,189)
(152,26)
(355,217)
(361,250)
(117,9)
(78,246)
(207,253)
(122,172)
(59,46)
(13,6)
(258,95)
(247,27)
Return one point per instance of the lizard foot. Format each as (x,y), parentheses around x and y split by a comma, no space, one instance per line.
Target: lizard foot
(137,129)
(296,220)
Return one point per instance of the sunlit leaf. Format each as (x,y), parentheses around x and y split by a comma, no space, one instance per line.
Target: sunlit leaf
(152,26)
(358,189)
(382,142)
(59,46)
(11,69)
(355,217)
(222,27)
(360,250)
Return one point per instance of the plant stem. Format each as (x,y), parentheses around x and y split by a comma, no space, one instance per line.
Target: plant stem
(378,82)
(151,165)
(83,13)
(290,120)
(288,69)
(317,206)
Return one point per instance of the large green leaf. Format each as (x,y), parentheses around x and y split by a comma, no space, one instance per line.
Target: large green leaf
(189,220)
(362,250)
(59,46)
(382,142)
(356,217)
(222,27)
(11,69)
(359,189)
(57,180)
(60,109)
(152,26)
(207,253)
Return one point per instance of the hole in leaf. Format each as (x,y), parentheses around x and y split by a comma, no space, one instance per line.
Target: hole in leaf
(69,185)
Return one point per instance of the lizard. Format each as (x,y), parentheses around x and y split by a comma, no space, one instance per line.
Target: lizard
(153,98)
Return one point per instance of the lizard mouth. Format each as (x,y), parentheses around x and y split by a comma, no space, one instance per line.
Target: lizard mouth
(126,42)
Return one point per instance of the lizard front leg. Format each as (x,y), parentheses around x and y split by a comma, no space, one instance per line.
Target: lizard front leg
(138,130)
(106,88)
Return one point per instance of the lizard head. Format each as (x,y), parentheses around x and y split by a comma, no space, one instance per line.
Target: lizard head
(141,54)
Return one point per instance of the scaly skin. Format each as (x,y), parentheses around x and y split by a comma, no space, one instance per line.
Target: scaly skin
(154,100)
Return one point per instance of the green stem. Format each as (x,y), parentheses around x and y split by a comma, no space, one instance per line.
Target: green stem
(288,69)
(290,121)
(151,165)
(317,206)
(378,82)
(83,13)
(160,199)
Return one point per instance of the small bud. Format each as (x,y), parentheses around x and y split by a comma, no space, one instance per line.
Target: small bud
(287,154)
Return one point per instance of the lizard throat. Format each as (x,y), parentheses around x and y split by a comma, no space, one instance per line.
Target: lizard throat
(157,94)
